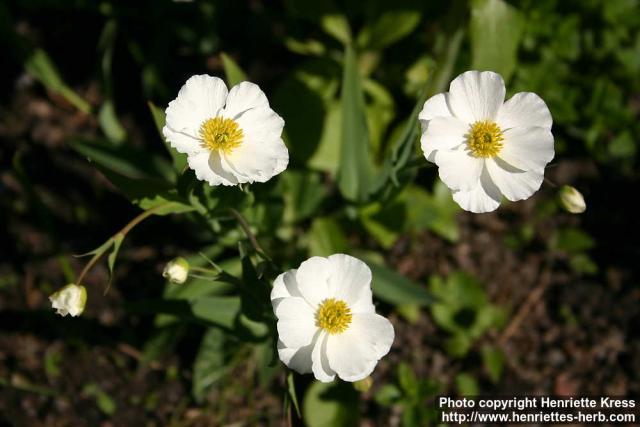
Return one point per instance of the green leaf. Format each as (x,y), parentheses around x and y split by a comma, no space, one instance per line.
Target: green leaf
(207,310)
(496,29)
(466,385)
(307,47)
(111,259)
(436,211)
(384,222)
(209,366)
(123,159)
(327,155)
(493,361)
(232,70)
(337,26)
(40,66)
(179,159)
(387,395)
(572,241)
(110,123)
(394,288)
(326,237)
(218,310)
(355,173)
(330,405)
(389,28)
(291,390)
(104,402)
(303,193)
(170,202)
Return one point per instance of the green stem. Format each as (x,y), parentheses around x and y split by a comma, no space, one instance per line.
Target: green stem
(123,232)
(247,230)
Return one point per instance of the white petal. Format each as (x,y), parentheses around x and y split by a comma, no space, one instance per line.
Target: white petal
(258,161)
(207,166)
(199,99)
(182,142)
(527,148)
(296,322)
(524,109)
(261,124)
(298,359)
(319,361)
(436,106)
(242,97)
(285,286)
(355,353)
(313,280)
(364,302)
(514,183)
(350,278)
(459,169)
(476,96)
(443,133)
(484,198)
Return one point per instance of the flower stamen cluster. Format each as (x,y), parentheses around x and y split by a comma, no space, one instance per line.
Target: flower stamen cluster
(485,139)
(221,134)
(334,316)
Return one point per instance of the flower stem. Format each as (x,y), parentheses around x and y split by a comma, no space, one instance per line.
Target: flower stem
(551,183)
(247,230)
(120,234)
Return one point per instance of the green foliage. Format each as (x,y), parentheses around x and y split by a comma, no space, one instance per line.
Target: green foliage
(40,66)
(232,70)
(462,310)
(496,29)
(411,394)
(355,174)
(330,405)
(210,364)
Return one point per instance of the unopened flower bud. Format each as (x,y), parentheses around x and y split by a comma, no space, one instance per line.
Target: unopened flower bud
(176,271)
(572,199)
(69,300)
(363,385)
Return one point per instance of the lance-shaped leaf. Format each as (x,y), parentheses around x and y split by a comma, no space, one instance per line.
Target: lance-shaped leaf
(496,29)
(355,174)
(232,70)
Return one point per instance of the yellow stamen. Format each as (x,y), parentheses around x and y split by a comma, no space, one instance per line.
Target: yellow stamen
(334,316)
(485,139)
(219,133)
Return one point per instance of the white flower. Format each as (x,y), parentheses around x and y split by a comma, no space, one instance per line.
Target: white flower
(176,271)
(69,300)
(572,200)
(326,319)
(229,137)
(484,147)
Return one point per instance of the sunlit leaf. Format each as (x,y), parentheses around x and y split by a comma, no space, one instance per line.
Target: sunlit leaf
(496,29)
(232,70)
(355,175)
(209,365)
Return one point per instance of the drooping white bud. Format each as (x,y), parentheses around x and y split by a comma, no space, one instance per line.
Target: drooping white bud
(176,271)
(572,200)
(69,300)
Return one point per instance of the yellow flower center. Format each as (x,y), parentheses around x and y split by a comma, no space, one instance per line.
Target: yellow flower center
(334,316)
(221,134)
(485,139)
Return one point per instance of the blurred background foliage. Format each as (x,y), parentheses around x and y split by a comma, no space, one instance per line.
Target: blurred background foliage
(90,80)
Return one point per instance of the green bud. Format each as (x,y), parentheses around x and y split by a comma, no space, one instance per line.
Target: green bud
(363,385)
